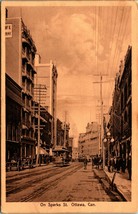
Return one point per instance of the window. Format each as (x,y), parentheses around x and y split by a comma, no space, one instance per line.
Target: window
(125,93)
(9,132)
(125,116)
(122,104)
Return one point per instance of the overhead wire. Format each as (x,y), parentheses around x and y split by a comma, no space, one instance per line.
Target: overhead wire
(110,36)
(118,51)
(124,34)
(119,30)
(115,51)
(112,39)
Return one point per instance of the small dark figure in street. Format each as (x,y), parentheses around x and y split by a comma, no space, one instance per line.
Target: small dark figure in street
(118,164)
(30,163)
(100,162)
(97,161)
(85,163)
(123,164)
(111,164)
(19,164)
(129,167)
(115,162)
(92,162)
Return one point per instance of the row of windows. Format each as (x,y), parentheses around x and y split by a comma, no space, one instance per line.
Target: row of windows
(28,53)
(12,132)
(28,133)
(127,115)
(126,92)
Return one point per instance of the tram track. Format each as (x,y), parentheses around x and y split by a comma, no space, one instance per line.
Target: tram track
(38,192)
(27,183)
(47,174)
(30,173)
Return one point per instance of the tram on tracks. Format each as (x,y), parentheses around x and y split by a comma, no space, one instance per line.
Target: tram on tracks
(61,156)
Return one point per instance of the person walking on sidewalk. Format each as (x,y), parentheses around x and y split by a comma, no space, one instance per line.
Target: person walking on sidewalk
(129,167)
(85,163)
(123,164)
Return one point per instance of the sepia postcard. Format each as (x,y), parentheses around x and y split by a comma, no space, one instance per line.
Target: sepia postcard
(69,119)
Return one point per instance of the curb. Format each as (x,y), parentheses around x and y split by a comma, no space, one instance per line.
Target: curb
(106,184)
(116,188)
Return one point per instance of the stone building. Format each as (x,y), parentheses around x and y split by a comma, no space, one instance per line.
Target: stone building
(89,141)
(20,54)
(47,75)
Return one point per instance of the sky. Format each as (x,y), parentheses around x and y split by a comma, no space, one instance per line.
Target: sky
(84,43)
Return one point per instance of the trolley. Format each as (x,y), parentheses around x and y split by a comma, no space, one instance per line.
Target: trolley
(61,156)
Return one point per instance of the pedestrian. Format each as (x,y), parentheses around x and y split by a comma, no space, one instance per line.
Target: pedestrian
(85,163)
(129,167)
(30,163)
(111,164)
(100,161)
(123,164)
(97,161)
(115,163)
(92,162)
(118,162)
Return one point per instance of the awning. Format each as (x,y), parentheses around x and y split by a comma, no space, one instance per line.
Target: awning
(24,127)
(41,151)
(125,140)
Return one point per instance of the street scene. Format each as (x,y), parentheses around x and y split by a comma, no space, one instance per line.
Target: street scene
(68,104)
(47,183)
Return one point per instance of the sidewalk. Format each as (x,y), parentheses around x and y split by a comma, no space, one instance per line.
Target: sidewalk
(121,182)
(123,185)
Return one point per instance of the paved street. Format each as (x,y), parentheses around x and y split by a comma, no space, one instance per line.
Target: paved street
(50,183)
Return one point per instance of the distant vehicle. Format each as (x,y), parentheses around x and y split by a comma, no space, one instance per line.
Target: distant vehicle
(61,156)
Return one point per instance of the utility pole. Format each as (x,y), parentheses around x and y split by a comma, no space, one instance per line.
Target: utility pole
(101,130)
(38,146)
(39,93)
(101,123)
(101,136)
(65,130)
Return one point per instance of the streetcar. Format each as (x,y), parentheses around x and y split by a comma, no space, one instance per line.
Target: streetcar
(61,156)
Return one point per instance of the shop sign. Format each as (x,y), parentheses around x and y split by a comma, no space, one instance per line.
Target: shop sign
(8,30)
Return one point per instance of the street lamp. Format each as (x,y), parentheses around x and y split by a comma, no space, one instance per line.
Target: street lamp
(108,140)
(104,143)
(108,145)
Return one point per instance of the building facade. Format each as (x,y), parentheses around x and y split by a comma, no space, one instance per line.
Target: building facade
(20,54)
(126,105)
(89,141)
(60,133)
(47,75)
(74,153)
(13,119)
(120,123)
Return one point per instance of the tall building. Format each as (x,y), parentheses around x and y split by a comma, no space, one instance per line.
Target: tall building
(13,119)
(120,123)
(60,133)
(89,141)
(74,153)
(20,55)
(47,75)
(126,104)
